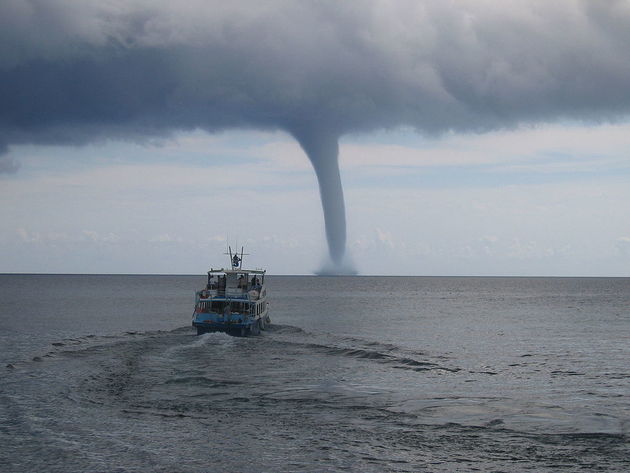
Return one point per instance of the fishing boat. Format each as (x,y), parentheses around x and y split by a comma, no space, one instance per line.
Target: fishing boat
(234,300)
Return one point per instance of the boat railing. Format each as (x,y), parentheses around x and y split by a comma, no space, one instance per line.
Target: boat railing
(250,293)
(237,306)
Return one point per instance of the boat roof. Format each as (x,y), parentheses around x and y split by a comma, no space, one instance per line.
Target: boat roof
(234,271)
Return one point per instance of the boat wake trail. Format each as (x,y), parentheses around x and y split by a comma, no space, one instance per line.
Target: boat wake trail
(174,401)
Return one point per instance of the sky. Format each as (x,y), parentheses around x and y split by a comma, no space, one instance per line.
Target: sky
(473,138)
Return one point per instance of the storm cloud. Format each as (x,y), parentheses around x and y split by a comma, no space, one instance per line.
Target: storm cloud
(76,72)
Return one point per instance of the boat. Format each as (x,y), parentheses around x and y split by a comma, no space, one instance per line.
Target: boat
(234,300)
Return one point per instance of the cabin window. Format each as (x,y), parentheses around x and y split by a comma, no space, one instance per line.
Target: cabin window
(239,307)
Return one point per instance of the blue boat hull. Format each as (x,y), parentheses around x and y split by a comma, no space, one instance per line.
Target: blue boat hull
(206,323)
(231,328)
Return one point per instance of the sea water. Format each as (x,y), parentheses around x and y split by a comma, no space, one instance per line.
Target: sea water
(366,374)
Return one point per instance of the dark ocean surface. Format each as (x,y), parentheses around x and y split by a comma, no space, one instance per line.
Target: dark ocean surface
(365,374)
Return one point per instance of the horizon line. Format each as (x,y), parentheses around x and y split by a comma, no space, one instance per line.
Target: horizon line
(321,275)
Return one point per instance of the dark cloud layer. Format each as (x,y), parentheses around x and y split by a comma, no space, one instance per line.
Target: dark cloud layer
(75,72)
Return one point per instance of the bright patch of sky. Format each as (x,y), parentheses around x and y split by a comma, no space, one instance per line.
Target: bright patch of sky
(552,201)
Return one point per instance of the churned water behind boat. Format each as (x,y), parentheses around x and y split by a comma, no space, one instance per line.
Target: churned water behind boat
(104,373)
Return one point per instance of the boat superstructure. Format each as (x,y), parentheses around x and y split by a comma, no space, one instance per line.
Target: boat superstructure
(233,301)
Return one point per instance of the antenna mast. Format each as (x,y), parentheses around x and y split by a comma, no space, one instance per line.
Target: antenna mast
(235,260)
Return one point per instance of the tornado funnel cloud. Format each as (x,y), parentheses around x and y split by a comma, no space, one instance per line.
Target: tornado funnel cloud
(322,149)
